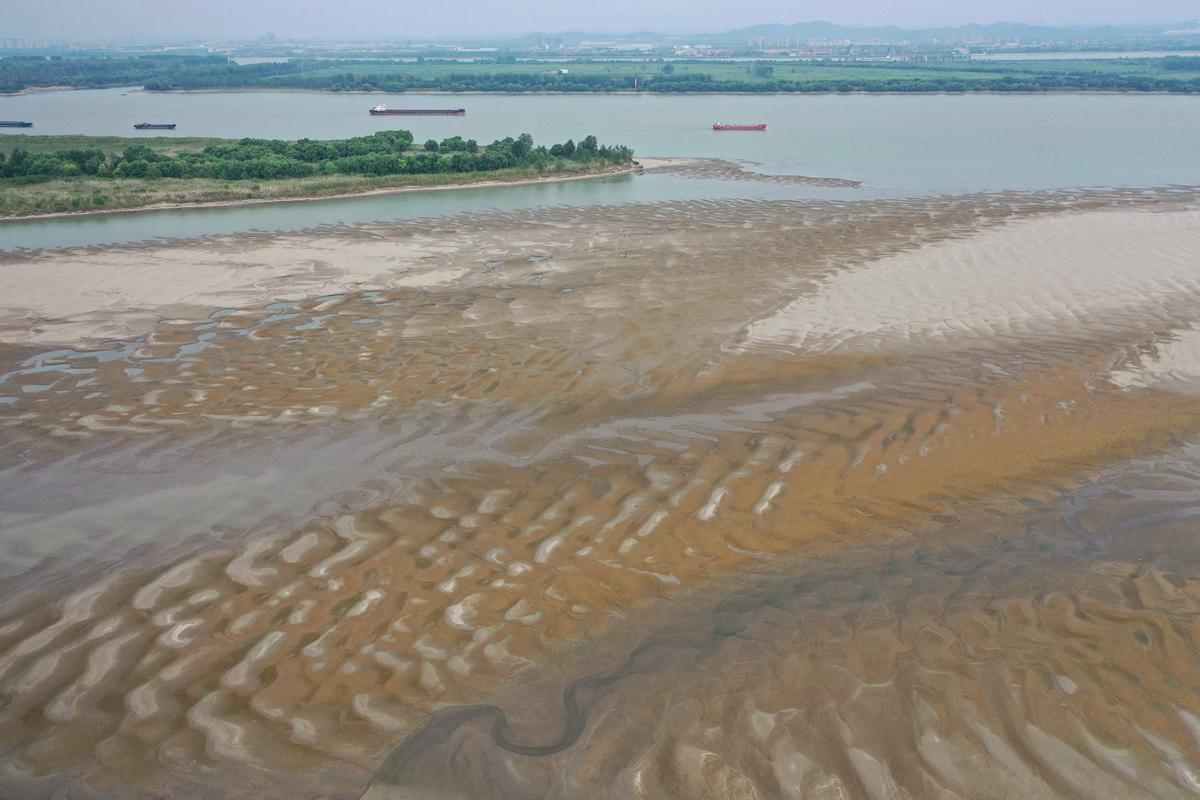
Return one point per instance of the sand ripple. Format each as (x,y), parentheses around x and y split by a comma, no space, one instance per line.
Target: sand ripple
(271,541)
(1003,282)
(1053,663)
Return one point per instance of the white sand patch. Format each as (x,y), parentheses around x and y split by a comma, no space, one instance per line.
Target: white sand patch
(658,162)
(435,277)
(120,292)
(1173,365)
(998,281)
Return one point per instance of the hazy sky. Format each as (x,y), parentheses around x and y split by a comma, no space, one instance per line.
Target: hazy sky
(398,19)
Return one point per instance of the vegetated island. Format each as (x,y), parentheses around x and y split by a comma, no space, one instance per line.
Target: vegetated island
(71,174)
(1179,74)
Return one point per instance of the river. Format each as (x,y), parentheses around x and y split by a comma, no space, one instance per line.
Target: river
(897,145)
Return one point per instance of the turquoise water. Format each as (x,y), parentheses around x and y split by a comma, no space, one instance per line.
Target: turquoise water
(189,223)
(896,144)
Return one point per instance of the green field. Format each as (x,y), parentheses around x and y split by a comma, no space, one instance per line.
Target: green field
(111,145)
(1077,75)
(507,74)
(738,71)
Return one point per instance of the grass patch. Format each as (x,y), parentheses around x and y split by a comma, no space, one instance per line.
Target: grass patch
(71,194)
(111,145)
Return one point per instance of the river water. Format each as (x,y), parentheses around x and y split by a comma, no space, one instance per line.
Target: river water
(895,145)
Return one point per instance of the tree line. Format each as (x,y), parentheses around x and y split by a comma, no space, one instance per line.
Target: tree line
(989,79)
(158,71)
(1181,63)
(162,73)
(383,153)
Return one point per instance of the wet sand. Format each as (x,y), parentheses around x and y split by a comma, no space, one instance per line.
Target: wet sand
(326,494)
(1052,658)
(719,169)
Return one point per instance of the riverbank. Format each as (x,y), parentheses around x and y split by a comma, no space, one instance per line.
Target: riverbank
(62,88)
(652,93)
(605,92)
(78,197)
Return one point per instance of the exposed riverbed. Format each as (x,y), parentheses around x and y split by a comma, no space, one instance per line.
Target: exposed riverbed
(727,480)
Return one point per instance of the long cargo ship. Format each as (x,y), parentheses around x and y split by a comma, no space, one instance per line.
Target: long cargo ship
(155,126)
(417,112)
(719,126)
(15,123)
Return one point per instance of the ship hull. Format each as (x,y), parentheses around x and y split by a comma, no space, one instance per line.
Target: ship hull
(719,127)
(147,126)
(12,123)
(419,112)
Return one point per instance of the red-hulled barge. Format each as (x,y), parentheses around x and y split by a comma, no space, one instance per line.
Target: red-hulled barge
(718,126)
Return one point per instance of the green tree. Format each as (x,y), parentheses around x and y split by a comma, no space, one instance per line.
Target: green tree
(431,146)
(139,152)
(383,153)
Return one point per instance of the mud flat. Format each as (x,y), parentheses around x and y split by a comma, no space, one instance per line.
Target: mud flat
(1044,654)
(1008,281)
(719,169)
(682,499)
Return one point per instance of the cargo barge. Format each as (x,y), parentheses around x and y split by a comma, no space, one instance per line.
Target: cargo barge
(15,123)
(719,126)
(382,110)
(155,126)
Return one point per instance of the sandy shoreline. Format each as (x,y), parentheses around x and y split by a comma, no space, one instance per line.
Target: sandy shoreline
(44,89)
(114,292)
(307,198)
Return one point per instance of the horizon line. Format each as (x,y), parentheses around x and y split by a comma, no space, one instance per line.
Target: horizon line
(508,36)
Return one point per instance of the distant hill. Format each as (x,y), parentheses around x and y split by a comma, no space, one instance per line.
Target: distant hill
(819,30)
(809,31)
